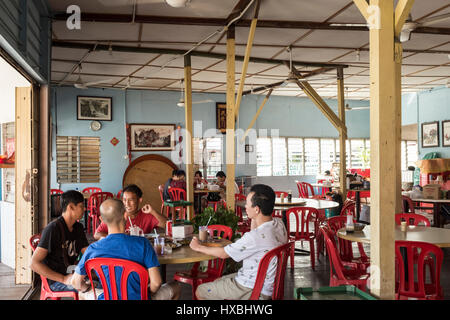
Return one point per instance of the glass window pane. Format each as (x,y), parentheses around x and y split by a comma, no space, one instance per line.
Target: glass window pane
(295,156)
(311,156)
(357,147)
(326,154)
(403,153)
(347,148)
(213,156)
(263,157)
(279,157)
(412,153)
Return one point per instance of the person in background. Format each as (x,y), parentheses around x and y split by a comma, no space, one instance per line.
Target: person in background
(222,182)
(122,246)
(178,180)
(61,243)
(265,234)
(198,178)
(146,218)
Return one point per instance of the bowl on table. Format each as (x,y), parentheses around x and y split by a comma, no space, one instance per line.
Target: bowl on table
(359,226)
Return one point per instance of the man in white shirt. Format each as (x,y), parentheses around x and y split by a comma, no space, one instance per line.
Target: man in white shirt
(222,182)
(266,234)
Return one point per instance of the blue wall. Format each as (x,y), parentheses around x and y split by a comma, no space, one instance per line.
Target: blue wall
(291,116)
(428,106)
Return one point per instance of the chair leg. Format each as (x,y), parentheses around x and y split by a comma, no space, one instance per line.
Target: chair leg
(311,250)
(292,256)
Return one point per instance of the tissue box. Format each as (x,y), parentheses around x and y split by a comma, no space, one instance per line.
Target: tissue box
(182,231)
(431,191)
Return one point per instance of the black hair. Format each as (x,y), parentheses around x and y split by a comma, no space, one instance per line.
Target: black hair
(264,198)
(174,172)
(134,189)
(180,173)
(220,174)
(199,173)
(71,196)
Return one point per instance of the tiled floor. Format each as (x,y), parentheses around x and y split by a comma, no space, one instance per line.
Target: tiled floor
(8,289)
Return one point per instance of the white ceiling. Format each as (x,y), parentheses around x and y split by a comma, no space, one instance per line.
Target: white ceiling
(422,68)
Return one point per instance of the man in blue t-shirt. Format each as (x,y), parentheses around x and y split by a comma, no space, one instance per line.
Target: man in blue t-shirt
(122,246)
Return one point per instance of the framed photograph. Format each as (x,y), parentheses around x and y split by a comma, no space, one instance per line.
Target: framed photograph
(430,134)
(446,133)
(94,108)
(248,148)
(221,117)
(152,137)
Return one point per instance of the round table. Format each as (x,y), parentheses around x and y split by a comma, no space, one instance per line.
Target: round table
(304,202)
(198,195)
(437,236)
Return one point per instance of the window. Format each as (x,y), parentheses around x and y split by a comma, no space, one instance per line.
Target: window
(295,156)
(279,157)
(8,178)
(356,152)
(312,156)
(409,154)
(77,159)
(263,157)
(208,156)
(327,154)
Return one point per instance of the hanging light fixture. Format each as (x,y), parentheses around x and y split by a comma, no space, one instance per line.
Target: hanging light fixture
(181,102)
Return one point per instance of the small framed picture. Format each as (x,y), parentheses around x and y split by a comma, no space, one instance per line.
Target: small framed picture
(152,137)
(94,108)
(446,133)
(221,117)
(248,148)
(430,134)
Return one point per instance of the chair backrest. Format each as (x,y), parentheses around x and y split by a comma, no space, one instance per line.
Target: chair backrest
(300,188)
(177,194)
(348,208)
(112,265)
(345,247)
(336,266)
(91,190)
(407,201)
(307,190)
(412,219)
(279,193)
(416,253)
(96,199)
(34,241)
(119,194)
(302,217)
(364,194)
(281,253)
(56,191)
(351,195)
(215,266)
(161,191)
(238,209)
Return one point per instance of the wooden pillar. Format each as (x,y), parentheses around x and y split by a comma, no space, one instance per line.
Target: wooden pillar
(398,129)
(342,134)
(230,132)
(383,155)
(188,138)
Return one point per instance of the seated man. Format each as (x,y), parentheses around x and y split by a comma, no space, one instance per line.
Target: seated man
(177,181)
(61,243)
(146,218)
(222,182)
(266,234)
(121,246)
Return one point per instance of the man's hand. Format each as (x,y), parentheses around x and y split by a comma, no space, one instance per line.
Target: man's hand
(68,279)
(147,209)
(195,244)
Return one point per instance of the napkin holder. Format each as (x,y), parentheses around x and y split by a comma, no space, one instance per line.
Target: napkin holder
(182,231)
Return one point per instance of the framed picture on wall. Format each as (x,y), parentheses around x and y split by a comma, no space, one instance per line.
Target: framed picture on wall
(221,117)
(152,137)
(446,133)
(430,134)
(94,108)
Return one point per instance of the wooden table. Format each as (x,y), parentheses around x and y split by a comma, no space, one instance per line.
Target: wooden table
(175,204)
(358,201)
(437,236)
(198,195)
(436,209)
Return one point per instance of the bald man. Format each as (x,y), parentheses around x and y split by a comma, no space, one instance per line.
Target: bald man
(119,245)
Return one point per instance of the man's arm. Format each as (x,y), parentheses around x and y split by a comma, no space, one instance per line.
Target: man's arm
(38,266)
(218,252)
(155,279)
(147,209)
(78,283)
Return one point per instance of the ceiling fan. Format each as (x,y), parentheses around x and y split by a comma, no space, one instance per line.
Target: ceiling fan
(85,85)
(181,102)
(347,107)
(408,26)
(172,3)
(291,78)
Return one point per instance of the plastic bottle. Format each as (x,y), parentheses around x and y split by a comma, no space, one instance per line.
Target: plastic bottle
(349,226)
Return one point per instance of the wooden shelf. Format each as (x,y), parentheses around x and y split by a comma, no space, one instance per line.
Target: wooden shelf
(6,165)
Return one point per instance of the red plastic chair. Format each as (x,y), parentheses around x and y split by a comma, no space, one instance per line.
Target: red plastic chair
(94,202)
(280,193)
(415,286)
(56,191)
(349,208)
(167,209)
(303,216)
(351,195)
(217,203)
(407,200)
(323,191)
(46,292)
(412,219)
(243,225)
(177,194)
(91,190)
(338,274)
(119,194)
(364,195)
(113,266)
(281,253)
(307,191)
(346,247)
(215,266)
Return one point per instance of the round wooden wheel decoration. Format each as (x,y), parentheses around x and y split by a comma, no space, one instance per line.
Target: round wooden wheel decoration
(148,172)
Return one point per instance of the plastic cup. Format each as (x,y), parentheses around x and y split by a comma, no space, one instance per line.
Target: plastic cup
(203,233)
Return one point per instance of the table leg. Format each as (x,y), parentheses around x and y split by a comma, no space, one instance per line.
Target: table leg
(437,215)
(163,273)
(173,215)
(357,205)
(297,251)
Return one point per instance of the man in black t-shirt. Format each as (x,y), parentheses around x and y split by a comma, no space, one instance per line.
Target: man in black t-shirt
(61,243)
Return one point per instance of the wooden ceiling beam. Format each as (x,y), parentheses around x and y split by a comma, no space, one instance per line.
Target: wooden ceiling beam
(195,21)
